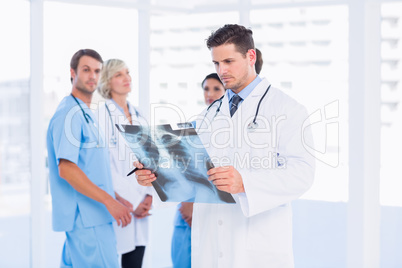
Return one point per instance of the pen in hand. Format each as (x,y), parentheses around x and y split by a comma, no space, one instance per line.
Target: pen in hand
(131,172)
(137,165)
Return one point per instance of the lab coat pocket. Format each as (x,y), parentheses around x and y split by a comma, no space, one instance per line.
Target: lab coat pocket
(270,231)
(261,137)
(257,140)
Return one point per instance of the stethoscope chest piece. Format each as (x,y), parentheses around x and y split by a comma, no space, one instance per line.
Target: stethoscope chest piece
(252,126)
(113,141)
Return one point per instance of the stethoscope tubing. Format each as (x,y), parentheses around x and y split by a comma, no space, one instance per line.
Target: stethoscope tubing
(83,112)
(113,139)
(254,124)
(250,126)
(86,116)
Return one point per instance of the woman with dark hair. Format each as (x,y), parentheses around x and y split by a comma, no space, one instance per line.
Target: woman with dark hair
(213,88)
(181,239)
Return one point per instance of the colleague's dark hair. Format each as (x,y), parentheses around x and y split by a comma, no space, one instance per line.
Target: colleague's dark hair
(235,34)
(83,52)
(258,61)
(213,76)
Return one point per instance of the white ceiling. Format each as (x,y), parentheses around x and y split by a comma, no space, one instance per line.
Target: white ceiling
(196,6)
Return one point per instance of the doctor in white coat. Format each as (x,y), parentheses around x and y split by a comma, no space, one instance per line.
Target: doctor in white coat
(115,84)
(255,136)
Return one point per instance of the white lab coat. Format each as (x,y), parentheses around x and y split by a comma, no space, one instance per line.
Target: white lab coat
(121,161)
(257,230)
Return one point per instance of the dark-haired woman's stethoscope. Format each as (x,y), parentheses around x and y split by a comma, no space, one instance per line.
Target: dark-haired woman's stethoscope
(252,126)
(113,139)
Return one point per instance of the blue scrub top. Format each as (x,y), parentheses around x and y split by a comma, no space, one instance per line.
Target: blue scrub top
(72,138)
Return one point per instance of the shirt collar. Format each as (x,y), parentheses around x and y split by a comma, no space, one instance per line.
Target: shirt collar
(247,90)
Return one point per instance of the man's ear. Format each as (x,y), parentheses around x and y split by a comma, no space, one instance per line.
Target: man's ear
(252,55)
(72,74)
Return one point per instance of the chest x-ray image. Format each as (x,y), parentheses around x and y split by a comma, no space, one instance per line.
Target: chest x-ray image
(178,159)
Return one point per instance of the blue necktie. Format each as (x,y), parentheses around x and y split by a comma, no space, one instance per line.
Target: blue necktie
(235,104)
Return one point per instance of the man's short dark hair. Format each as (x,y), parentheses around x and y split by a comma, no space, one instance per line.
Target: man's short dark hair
(235,34)
(83,52)
(258,61)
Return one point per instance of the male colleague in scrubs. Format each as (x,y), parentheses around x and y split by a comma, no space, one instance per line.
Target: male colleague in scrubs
(260,131)
(83,200)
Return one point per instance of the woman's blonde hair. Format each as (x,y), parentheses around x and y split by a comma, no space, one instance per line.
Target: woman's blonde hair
(110,68)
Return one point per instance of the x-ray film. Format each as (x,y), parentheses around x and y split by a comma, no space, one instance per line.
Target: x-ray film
(175,154)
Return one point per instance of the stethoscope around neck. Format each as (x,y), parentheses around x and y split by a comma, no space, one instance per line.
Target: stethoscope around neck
(252,126)
(113,139)
(86,116)
(83,112)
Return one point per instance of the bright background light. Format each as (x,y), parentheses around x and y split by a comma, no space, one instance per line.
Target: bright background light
(305,51)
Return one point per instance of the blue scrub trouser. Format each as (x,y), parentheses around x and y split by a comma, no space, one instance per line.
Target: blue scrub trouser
(181,247)
(90,247)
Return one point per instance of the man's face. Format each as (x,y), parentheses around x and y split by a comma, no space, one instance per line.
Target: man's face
(235,70)
(87,76)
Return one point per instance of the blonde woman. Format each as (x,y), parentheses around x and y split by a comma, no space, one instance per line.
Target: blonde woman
(114,86)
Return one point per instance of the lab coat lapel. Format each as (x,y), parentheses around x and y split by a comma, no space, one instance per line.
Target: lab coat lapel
(230,138)
(134,117)
(260,88)
(117,115)
(225,105)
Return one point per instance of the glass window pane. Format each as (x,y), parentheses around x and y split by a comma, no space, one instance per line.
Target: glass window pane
(113,32)
(391,110)
(262,2)
(305,52)
(180,60)
(391,133)
(15,173)
(110,31)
